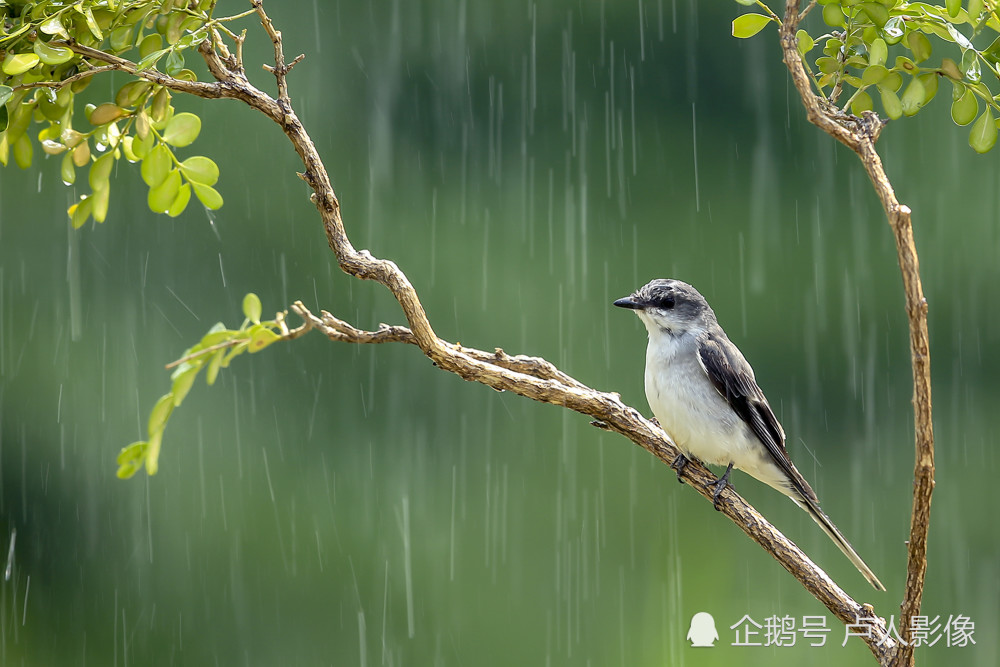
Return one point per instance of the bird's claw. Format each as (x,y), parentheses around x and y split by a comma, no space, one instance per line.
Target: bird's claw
(718,485)
(678,464)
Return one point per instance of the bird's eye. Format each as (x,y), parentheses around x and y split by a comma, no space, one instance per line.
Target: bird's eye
(667,302)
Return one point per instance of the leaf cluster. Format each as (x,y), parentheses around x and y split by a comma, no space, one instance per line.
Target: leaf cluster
(884,49)
(214,351)
(41,74)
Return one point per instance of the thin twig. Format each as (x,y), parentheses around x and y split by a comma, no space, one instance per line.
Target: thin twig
(58,85)
(280,70)
(205,351)
(805,12)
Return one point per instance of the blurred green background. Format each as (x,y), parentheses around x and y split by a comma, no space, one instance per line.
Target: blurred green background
(525,163)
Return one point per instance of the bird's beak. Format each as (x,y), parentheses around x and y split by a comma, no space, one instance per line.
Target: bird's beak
(629,302)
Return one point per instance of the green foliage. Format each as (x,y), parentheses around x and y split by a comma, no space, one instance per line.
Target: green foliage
(888,47)
(41,74)
(214,351)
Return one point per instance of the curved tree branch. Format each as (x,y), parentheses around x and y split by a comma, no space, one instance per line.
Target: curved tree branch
(860,135)
(530,377)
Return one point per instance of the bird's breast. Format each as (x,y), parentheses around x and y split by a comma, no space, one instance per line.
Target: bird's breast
(688,406)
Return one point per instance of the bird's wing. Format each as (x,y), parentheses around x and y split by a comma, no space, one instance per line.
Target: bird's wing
(733,378)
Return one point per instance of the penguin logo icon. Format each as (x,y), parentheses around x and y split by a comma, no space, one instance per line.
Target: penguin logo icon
(702,632)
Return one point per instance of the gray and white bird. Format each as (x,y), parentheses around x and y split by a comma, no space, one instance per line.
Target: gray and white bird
(703,393)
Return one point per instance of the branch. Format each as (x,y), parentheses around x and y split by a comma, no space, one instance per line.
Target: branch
(530,377)
(860,135)
(68,80)
(113,62)
(615,416)
(280,70)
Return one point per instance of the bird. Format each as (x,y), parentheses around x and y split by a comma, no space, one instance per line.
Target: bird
(704,394)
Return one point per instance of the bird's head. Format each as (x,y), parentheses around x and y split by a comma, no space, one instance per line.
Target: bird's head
(669,306)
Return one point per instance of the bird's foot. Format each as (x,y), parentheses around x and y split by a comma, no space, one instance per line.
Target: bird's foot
(678,464)
(718,485)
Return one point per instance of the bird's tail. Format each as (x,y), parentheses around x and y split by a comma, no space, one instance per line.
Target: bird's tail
(812,508)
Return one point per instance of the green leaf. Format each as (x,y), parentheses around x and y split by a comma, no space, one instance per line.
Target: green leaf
(877,52)
(749,25)
(6,92)
(890,102)
(876,12)
(200,169)
(54,26)
(180,201)
(100,207)
(213,367)
(805,42)
(873,74)
(207,195)
(182,129)
(161,105)
(160,414)
(252,307)
(957,90)
(132,92)
(131,458)
(100,171)
(950,69)
(163,195)
(51,54)
(175,62)
(827,65)
(142,127)
(261,336)
(183,378)
(919,45)
(975,9)
(970,66)
(862,102)
(121,38)
(156,166)
(106,113)
(217,334)
(66,170)
(930,81)
(135,451)
(143,145)
(954,6)
(893,81)
(233,353)
(913,97)
(959,38)
(126,147)
(893,30)
(80,211)
(18,63)
(984,133)
(833,15)
(150,44)
(965,108)
(95,30)
(150,60)
(832,47)
(153,453)
(23,151)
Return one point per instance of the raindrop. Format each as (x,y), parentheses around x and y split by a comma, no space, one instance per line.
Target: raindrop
(10,555)
(694,143)
(894,27)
